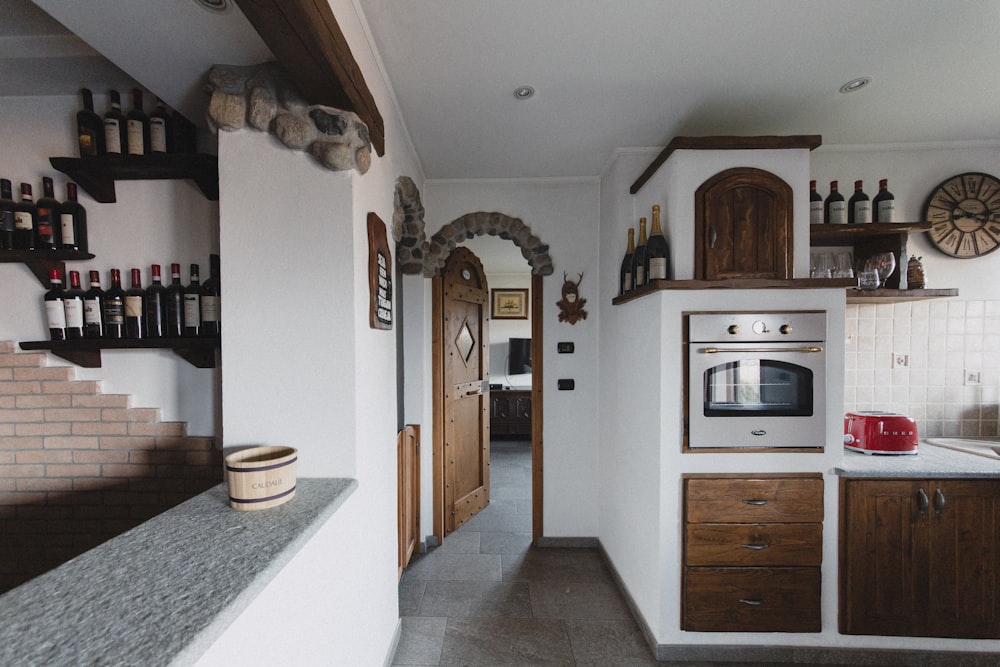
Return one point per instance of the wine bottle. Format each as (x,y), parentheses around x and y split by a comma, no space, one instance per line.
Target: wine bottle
(859,207)
(24,220)
(156,305)
(73,221)
(115,133)
(639,257)
(815,205)
(173,326)
(657,251)
(6,215)
(47,218)
(884,204)
(137,123)
(135,309)
(89,128)
(159,129)
(93,308)
(834,208)
(55,313)
(73,304)
(114,307)
(625,276)
(211,300)
(192,304)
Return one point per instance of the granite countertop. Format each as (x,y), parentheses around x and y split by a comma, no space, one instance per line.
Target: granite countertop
(163,592)
(929,462)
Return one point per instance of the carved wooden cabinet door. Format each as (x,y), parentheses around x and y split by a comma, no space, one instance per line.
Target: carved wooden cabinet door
(743,226)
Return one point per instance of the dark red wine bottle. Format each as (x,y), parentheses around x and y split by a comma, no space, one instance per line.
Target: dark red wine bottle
(884,204)
(93,308)
(115,131)
(815,205)
(135,308)
(192,304)
(211,301)
(114,307)
(834,208)
(639,257)
(159,129)
(73,304)
(55,312)
(657,251)
(89,128)
(625,274)
(6,215)
(24,220)
(859,207)
(137,123)
(156,305)
(47,223)
(173,326)
(73,221)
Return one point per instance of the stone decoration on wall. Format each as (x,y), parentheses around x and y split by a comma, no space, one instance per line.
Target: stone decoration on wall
(261,97)
(408,226)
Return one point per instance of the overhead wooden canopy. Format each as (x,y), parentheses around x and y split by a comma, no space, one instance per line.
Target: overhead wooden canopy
(308,43)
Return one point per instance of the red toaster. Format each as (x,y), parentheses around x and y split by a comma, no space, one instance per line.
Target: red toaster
(878,432)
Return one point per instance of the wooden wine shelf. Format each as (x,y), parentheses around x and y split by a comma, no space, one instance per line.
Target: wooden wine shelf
(97,175)
(897,295)
(42,261)
(86,352)
(851,234)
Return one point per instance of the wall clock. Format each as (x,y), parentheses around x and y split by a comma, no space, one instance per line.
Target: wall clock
(965,213)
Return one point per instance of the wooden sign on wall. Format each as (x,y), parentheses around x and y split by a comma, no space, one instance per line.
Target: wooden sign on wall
(379,274)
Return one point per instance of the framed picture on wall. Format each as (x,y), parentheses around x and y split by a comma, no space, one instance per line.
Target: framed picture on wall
(509,304)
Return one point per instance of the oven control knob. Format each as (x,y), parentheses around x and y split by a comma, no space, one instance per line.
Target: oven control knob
(733,329)
(760,328)
(786,329)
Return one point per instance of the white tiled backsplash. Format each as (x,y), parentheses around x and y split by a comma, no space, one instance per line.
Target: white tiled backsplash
(944,342)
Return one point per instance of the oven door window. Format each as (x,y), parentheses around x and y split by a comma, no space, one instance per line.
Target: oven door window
(758,388)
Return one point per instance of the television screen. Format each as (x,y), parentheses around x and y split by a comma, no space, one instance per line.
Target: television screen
(519,356)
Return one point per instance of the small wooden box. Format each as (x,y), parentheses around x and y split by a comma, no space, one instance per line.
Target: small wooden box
(261,477)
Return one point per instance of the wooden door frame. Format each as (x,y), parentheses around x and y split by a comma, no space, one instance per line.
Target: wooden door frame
(437,392)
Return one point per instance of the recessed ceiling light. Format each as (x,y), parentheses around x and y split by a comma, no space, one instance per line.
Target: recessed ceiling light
(855,84)
(217,6)
(524,92)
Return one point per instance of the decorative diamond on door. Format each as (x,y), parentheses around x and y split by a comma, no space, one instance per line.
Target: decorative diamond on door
(465,342)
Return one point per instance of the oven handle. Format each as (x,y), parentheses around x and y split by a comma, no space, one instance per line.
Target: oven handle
(717,350)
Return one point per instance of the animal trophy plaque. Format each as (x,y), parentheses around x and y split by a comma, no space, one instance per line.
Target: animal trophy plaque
(571,305)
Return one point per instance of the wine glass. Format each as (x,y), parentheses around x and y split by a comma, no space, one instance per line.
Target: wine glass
(885,264)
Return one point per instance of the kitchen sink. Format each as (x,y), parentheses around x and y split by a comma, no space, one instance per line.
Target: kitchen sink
(983,446)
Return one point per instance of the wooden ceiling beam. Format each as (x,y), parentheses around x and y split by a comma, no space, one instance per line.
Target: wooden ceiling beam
(307,41)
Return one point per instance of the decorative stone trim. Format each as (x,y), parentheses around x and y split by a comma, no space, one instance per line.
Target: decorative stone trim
(495,224)
(263,98)
(408,226)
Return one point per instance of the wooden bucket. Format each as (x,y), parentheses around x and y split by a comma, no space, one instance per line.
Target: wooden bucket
(261,477)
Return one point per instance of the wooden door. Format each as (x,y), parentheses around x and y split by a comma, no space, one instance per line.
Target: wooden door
(743,226)
(462,346)
(408,498)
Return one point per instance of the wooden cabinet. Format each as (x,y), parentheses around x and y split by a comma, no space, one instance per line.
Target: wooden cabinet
(510,413)
(743,226)
(753,547)
(920,558)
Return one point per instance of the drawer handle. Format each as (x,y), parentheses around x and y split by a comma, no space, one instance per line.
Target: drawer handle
(755,502)
(752,603)
(755,547)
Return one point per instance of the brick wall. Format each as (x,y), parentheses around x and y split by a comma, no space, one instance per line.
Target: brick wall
(78,467)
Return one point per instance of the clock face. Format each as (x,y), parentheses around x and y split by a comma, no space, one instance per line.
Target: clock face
(965,213)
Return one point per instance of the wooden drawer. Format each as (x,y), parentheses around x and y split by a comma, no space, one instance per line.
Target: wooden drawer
(754,500)
(752,599)
(748,544)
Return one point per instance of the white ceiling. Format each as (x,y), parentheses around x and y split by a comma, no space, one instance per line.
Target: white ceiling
(608,73)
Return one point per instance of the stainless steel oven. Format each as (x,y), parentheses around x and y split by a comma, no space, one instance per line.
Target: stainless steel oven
(756,379)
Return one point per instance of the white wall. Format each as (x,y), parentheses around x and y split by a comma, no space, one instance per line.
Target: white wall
(151,222)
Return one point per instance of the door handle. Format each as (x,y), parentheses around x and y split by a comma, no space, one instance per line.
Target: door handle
(754,502)
(809,349)
(712,236)
(752,603)
(939,501)
(923,502)
(755,547)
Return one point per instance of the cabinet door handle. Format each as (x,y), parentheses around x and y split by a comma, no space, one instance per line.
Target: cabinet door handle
(755,502)
(923,502)
(712,236)
(755,547)
(752,603)
(939,502)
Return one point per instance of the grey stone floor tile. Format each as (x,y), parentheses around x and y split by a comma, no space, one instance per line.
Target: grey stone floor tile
(454,566)
(411,592)
(506,642)
(460,542)
(602,643)
(510,492)
(499,522)
(482,599)
(556,566)
(504,543)
(571,600)
(420,641)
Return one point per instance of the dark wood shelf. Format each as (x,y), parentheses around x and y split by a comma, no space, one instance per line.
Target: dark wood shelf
(42,261)
(86,352)
(97,175)
(735,283)
(851,234)
(897,295)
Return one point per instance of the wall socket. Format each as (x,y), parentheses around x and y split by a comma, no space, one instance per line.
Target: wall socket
(973,377)
(900,360)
